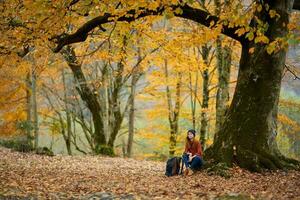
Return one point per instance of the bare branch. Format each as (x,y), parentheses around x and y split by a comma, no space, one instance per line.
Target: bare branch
(288,68)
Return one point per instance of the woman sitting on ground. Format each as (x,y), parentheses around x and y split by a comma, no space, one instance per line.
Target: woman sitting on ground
(192,156)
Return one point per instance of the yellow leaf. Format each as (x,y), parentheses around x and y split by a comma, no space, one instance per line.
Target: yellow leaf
(251,50)
(209,142)
(154,5)
(272,13)
(292,26)
(250,36)
(271,47)
(240,31)
(262,39)
(178,11)
(259,8)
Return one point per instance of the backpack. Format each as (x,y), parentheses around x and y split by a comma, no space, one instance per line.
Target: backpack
(173,166)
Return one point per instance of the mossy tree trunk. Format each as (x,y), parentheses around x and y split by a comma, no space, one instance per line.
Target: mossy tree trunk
(117,83)
(67,137)
(136,74)
(115,106)
(35,109)
(223,66)
(193,97)
(247,135)
(223,55)
(29,110)
(89,97)
(205,96)
(131,114)
(173,111)
(25,54)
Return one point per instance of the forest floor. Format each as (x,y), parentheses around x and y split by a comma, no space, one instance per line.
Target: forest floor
(31,176)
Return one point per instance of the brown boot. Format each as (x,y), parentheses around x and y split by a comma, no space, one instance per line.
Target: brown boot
(191,172)
(186,172)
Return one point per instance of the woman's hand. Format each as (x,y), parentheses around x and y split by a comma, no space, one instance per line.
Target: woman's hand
(191,157)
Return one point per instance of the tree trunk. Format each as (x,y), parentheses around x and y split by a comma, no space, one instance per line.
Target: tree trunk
(115,105)
(35,112)
(173,112)
(29,109)
(223,66)
(223,85)
(89,97)
(92,103)
(116,115)
(68,115)
(131,119)
(205,97)
(135,77)
(176,110)
(105,96)
(193,98)
(247,136)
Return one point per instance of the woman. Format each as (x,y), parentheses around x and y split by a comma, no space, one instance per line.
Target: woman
(192,156)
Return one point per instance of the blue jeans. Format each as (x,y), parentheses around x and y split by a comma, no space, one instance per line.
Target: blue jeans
(196,163)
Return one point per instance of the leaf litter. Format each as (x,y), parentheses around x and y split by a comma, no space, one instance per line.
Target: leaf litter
(81,177)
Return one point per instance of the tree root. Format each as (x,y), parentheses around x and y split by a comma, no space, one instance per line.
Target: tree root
(255,161)
(262,161)
(220,169)
(105,150)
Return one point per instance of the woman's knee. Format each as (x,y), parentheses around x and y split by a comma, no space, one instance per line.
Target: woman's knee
(197,162)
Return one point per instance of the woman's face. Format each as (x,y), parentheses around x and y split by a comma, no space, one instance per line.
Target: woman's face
(190,135)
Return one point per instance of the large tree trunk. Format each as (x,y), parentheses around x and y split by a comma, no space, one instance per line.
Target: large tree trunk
(248,133)
(89,97)
(92,103)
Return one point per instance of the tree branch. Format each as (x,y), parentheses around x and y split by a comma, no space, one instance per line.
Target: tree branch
(204,18)
(288,68)
(73,2)
(188,12)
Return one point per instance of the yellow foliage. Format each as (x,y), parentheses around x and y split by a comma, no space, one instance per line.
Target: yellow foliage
(208,142)
(262,39)
(289,122)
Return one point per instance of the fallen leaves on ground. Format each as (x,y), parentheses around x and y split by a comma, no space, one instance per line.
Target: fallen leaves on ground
(73,177)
